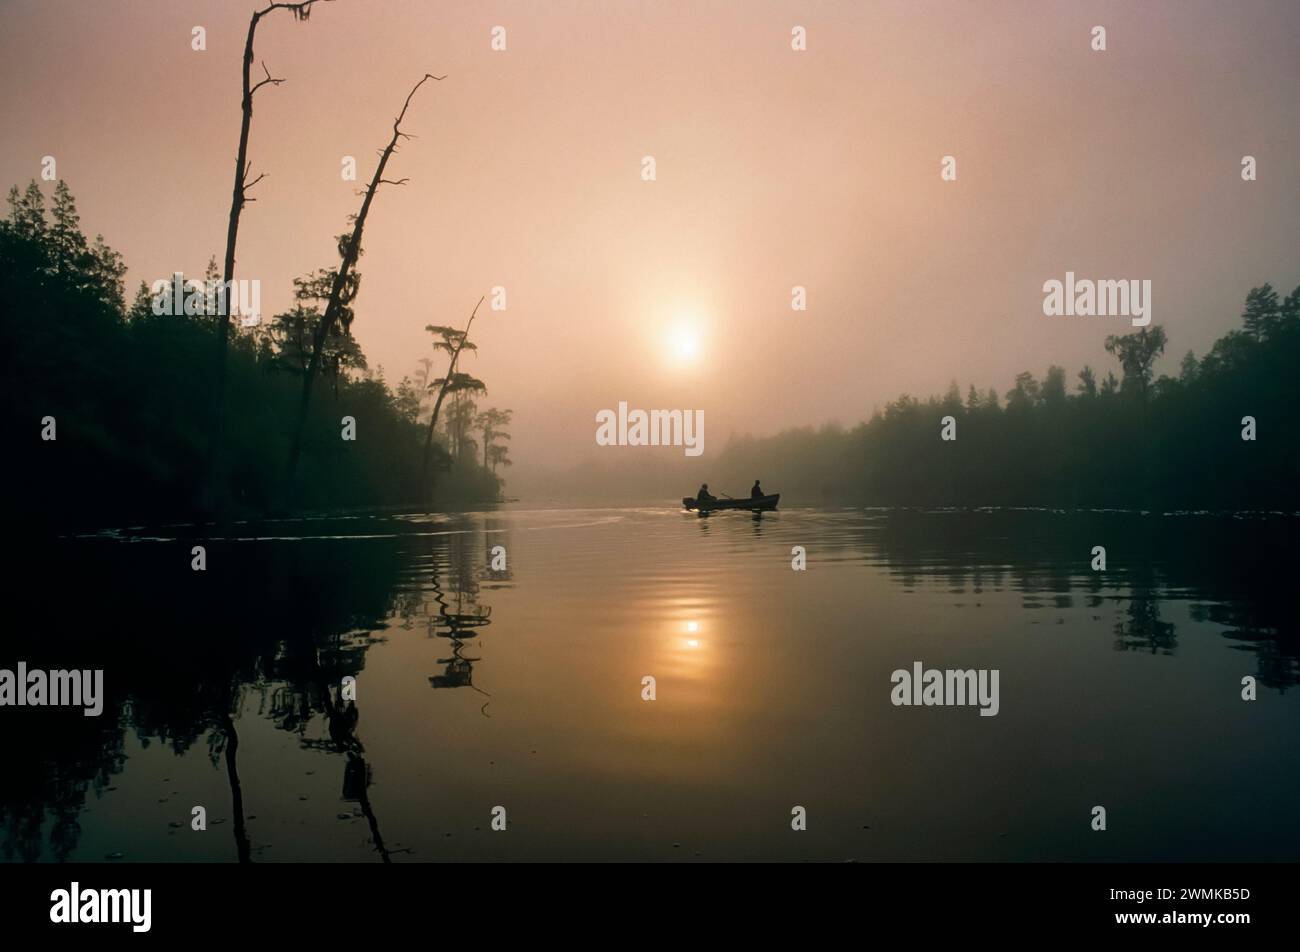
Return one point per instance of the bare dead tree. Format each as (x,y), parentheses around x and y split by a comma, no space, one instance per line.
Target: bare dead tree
(350,249)
(301,11)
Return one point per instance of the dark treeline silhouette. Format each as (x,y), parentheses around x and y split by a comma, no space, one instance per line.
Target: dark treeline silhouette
(130,394)
(1132,441)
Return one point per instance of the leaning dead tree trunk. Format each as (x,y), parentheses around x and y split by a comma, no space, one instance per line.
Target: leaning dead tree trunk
(238,199)
(350,247)
(442,391)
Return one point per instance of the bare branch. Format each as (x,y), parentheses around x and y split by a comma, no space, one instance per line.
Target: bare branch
(398,121)
(274,81)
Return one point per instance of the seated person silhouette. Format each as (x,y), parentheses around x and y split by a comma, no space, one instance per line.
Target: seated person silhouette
(703,495)
(757,491)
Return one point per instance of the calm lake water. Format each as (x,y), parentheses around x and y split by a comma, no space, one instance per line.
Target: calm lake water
(522,688)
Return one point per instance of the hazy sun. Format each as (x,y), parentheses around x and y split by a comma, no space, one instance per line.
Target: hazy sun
(684,344)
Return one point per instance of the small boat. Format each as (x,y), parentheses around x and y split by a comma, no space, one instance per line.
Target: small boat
(753,504)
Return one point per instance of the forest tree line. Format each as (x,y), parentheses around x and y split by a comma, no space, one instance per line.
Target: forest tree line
(1095,439)
(130,395)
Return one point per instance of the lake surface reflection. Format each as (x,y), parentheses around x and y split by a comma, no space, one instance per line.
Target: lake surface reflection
(522,687)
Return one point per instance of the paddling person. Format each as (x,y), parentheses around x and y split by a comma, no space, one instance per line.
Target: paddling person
(703,495)
(757,491)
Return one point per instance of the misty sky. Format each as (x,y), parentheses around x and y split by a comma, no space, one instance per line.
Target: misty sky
(775,168)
